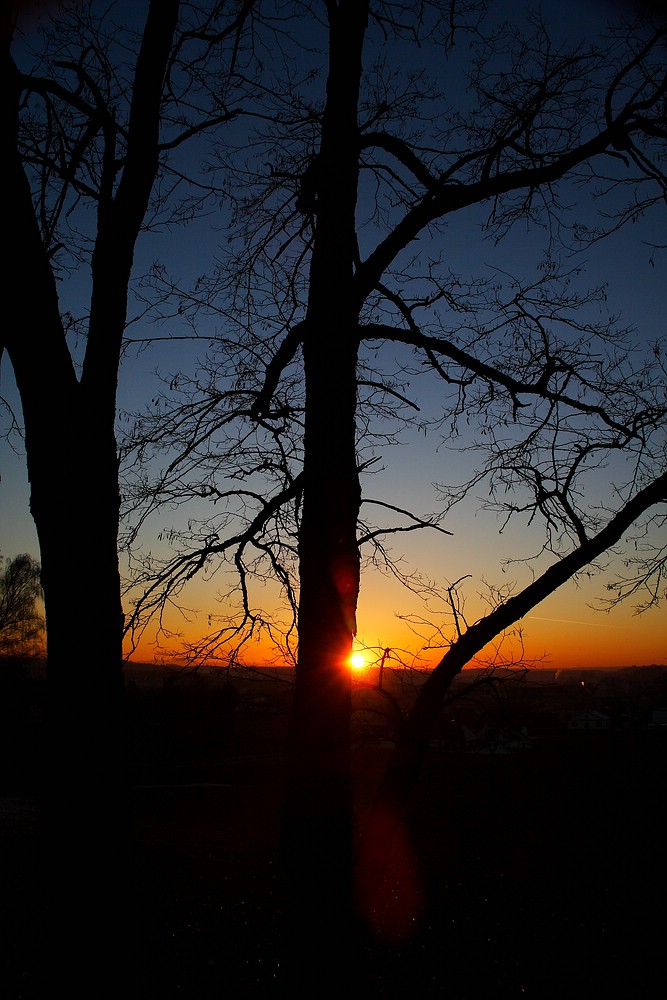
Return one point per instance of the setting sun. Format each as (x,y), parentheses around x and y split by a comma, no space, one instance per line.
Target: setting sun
(357,661)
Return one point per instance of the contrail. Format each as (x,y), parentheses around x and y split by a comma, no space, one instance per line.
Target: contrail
(571,621)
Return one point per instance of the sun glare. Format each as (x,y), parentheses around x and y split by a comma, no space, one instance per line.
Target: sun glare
(357,661)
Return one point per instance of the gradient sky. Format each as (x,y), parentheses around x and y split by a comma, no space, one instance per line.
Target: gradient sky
(564,631)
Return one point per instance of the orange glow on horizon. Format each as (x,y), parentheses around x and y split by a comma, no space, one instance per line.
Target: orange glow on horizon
(562,632)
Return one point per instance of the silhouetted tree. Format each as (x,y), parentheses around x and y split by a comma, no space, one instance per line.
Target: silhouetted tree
(92,118)
(21,622)
(345,233)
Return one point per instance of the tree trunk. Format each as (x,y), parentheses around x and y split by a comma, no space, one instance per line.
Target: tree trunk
(72,468)
(87,826)
(74,498)
(318,814)
(317,827)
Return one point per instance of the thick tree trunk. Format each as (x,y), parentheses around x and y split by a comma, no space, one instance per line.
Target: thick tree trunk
(318,815)
(317,828)
(86,845)
(73,469)
(73,472)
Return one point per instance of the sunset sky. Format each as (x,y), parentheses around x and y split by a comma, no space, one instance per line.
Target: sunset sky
(565,630)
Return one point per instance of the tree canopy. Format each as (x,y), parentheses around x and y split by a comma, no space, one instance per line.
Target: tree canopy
(482,135)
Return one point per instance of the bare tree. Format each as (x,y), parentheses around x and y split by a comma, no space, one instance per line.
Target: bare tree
(327,238)
(94,116)
(21,622)
(321,282)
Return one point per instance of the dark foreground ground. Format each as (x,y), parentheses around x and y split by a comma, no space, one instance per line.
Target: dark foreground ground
(540,873)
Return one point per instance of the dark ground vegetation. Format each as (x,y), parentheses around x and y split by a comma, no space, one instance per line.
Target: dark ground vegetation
(537,872)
